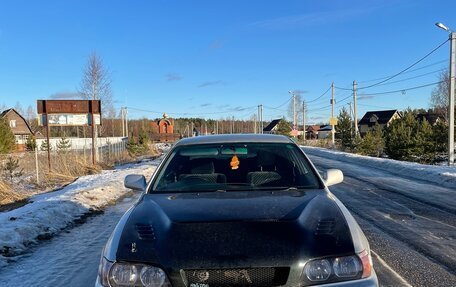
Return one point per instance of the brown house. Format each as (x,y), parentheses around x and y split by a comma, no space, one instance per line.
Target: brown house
(382,118)
(312,132)
(19,127)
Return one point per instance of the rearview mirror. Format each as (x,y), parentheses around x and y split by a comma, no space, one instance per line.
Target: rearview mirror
(135,182)
(333,176)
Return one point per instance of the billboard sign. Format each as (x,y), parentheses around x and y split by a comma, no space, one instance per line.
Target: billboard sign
(68,119)
(68,112)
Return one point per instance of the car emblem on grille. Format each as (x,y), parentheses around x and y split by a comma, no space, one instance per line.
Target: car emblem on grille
(238,275)
(133,247)
(202,275)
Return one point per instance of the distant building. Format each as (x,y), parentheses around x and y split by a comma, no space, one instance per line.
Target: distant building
(382,118)
(164,130)
(272,127)
(324,132)
(19,127)
(433,119)
(312,132)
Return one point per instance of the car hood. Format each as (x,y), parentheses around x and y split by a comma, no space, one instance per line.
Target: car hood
(233,229)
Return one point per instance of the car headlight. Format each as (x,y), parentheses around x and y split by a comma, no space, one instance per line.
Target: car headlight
(337,269)
(131,274)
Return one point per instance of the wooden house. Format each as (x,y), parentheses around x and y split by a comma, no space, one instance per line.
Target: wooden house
(372,118)
(19,127)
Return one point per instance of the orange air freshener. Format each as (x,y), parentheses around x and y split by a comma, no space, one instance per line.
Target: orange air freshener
(234,162)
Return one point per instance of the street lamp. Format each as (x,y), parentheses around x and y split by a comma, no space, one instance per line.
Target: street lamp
(452,38)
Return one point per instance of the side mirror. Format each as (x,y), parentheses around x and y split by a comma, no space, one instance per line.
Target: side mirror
(135,182)
(333,176)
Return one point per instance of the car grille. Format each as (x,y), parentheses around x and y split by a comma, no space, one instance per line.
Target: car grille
(257,277)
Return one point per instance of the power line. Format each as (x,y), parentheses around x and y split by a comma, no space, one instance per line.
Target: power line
(414,70)
(402,80)
(404,70)
(283,103)
(271,108)
(411,78)
(373,106)
(319,96)
(401,90)
(184,114)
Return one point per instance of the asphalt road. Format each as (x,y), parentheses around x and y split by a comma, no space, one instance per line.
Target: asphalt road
(413,240)
(412,236)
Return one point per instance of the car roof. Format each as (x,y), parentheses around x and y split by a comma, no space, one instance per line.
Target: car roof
(234,138)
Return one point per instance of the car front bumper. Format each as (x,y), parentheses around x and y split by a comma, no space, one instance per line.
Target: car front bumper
(371,281)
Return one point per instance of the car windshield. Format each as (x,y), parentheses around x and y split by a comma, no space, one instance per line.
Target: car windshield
(235,167)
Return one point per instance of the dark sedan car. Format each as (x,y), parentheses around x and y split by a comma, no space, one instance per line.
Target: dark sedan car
(236,210)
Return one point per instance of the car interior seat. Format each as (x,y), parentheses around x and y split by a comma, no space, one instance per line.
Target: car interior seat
(203,168)
(267,170)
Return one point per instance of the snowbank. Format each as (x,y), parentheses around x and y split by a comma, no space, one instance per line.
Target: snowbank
(52,212)
(442,175)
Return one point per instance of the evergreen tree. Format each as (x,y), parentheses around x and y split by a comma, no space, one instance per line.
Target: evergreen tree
(10,168)
(425,142)
(63,144)
(373,143)
(283,128)
(344,130)
(7,140)
(44,146)
(440,137)
(30,144)
(408,139)
(143,138)
(401,137)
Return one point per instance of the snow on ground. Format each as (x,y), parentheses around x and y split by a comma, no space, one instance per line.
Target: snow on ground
(441,175)
(52,212)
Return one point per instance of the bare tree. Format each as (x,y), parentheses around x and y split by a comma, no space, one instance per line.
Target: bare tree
(96,85)
(440,95)
(19,109)
(30,115)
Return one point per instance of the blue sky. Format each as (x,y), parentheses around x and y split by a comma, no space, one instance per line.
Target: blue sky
(194,58)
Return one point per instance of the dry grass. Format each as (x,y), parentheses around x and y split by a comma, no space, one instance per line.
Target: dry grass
(7,195)
(65,168)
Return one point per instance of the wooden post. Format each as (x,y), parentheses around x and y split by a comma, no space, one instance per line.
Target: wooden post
(36,166)
(93,132)
(47,136)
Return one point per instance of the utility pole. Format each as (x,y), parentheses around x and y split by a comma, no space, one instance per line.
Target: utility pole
(304,120)
(126,121)
(355,118)
(261,117)
(294,111)
(254,123)
(333,130)
(451,100)
(232,124)
(259,120)
(123,122)
(216,127)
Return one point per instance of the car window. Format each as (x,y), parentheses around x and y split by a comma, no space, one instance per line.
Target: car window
(232,167)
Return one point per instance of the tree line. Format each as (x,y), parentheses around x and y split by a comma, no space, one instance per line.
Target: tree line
(407,138)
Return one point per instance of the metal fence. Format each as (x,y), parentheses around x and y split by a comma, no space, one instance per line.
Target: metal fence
(36,167)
